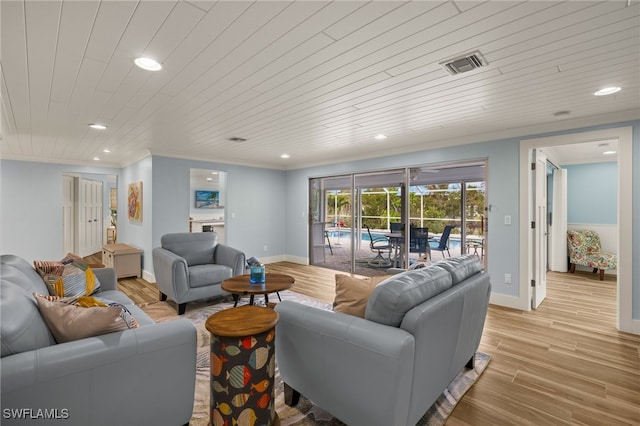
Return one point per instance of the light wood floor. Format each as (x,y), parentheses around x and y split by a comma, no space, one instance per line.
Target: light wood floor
(564,363)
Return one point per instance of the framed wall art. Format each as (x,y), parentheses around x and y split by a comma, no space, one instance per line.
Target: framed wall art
(134,201)
(207,199)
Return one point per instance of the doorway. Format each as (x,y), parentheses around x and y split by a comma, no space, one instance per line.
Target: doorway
(623,135)
(574,173)
(87,212)
(207,202)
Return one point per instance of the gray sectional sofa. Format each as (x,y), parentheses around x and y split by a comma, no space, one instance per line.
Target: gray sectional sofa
(420,328)
(141,376)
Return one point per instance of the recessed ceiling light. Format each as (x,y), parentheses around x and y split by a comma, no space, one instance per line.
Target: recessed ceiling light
(285,156)
(148,64)
(380,137)
(607,91)
(106,151)
(97,126)
(96,158)
(209,179)
(214,173)
(608,152)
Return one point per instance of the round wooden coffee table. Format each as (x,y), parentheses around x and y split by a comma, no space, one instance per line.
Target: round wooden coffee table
(242,286)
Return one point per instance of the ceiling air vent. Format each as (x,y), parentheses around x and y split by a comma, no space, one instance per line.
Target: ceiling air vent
(465,63)
(236,139)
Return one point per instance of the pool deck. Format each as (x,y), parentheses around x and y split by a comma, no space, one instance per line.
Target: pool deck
(341,248)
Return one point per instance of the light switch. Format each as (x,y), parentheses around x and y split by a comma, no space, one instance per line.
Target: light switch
(507,220)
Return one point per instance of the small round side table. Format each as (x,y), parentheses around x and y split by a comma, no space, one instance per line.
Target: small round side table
(243,366)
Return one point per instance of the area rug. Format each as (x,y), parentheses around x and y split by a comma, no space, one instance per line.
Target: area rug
(305,413)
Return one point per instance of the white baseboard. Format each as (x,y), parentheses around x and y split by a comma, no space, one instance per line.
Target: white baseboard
(148,277)
(587,269)
(634,327)
(295,259)
(273,259)
(507,301)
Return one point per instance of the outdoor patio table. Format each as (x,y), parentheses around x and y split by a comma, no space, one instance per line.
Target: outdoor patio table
(396,239)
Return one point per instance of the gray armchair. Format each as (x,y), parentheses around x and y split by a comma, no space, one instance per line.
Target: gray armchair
(191,266)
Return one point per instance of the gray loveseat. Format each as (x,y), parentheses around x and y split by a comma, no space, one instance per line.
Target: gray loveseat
(141,376)
(191,266)
(421,327)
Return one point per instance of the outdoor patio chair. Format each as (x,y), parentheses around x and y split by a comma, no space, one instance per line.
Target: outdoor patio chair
(379,245)
(418,242)
(443,241)
(396,242)
(396,227)
(326,235)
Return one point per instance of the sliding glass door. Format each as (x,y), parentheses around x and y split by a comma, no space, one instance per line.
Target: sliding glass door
(351,217)
(366,223)
(474,232)
(330,219)
(379,215)
(449,202)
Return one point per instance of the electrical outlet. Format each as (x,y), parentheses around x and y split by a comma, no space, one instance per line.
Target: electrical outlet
(265,247)
(507,278)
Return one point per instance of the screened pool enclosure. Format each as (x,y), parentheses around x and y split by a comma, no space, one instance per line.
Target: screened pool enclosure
(349,211)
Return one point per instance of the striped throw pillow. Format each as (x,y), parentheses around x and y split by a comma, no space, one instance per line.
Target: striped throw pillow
(74,278)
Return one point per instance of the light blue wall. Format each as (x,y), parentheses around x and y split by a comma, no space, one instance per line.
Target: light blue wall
(137,234)
(255,203)
(31,206)
(592,195)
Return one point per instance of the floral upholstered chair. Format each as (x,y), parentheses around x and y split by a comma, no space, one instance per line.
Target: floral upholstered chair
(585,249)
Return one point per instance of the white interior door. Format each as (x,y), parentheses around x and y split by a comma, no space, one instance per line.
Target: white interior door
(558,227)
(540,231)
(90,217)
(68,215)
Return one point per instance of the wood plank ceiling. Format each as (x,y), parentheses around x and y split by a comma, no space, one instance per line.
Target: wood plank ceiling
(314,79)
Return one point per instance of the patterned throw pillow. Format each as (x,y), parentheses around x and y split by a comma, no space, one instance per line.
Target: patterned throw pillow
(46,267)
(70,277)
(71,319)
